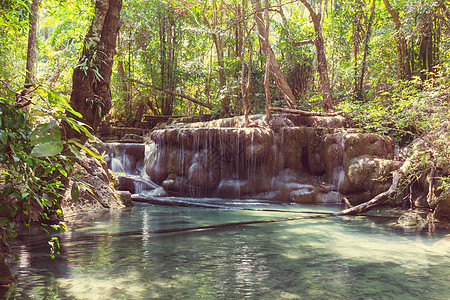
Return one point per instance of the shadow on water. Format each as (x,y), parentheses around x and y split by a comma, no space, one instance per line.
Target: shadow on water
(338,258)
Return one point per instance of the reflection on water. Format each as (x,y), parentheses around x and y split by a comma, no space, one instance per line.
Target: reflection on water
(331,258)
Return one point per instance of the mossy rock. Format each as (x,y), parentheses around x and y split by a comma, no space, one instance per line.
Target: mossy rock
(6,277)
(442,210)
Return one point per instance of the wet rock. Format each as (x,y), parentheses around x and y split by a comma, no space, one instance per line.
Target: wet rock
(132,138)
(158,192)
(125,198)
(330,197)
(420,200)
(304,196)
(198,175)
(274,195)
(412,219)
(6,277)
(233,188)
(279,122)
(442,209)
(222,158)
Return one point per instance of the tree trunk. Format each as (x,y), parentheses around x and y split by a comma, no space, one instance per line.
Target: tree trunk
(245,88)
(426,49)
(359,87)
(271,62)
(31,50)
(322,66)
(91,93)
(404,69)
(218,42)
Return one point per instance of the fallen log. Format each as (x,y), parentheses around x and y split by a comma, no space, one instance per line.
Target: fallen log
(172,202)
(366,206)
(189,98)
(305,113)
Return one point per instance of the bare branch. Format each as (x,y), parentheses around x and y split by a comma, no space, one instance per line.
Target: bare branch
(189,98)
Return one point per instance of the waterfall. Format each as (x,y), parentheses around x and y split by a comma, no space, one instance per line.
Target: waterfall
(127,160)
(285,161)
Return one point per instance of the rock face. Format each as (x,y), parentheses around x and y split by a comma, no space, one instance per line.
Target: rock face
(298,159)
(96,189)
(429,157)
(5,274)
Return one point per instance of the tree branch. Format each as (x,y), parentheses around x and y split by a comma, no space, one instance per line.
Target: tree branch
(301,43)
(366,206)
(189,98)
(305,113)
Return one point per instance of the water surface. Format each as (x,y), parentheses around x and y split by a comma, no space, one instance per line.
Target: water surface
(117,255)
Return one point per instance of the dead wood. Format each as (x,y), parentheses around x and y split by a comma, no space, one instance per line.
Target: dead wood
(305,113)
(366,206)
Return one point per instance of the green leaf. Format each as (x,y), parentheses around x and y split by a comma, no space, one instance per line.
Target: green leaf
(3,136)
(75,192)
(43,133)
(89,151)
(63,172)
(75,152)
(47,149)
(47,201)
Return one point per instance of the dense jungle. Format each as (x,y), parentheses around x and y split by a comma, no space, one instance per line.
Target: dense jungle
(109,103)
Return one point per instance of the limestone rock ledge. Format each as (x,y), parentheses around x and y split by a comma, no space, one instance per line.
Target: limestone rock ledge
(96,187)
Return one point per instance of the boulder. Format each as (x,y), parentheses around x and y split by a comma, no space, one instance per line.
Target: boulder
(330,197)
(366,173)
(96,190)
(304,196)
(411,219)
(6,278)
(442,208)
(125,198)
(357,144)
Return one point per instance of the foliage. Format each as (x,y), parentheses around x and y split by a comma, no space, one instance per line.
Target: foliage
(403,109)
(34,166)
(408,110)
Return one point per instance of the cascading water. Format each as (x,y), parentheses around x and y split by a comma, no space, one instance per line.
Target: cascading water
(127,160)
(281,161)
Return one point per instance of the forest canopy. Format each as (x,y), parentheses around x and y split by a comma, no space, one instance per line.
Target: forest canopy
(212,51)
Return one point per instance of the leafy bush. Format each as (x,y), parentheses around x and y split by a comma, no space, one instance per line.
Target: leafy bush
(405,110)
(35,161)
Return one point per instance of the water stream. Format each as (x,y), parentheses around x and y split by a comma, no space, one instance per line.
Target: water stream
(117,255)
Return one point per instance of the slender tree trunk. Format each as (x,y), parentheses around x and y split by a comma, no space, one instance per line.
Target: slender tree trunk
(359,88)
(218,42)
(404,68)
(322,67)
(31,50)
(357,25)
(271,62)
(244,88)
(426,45)
(91,93)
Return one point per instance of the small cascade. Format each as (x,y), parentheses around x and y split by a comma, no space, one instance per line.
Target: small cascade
(127,160)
